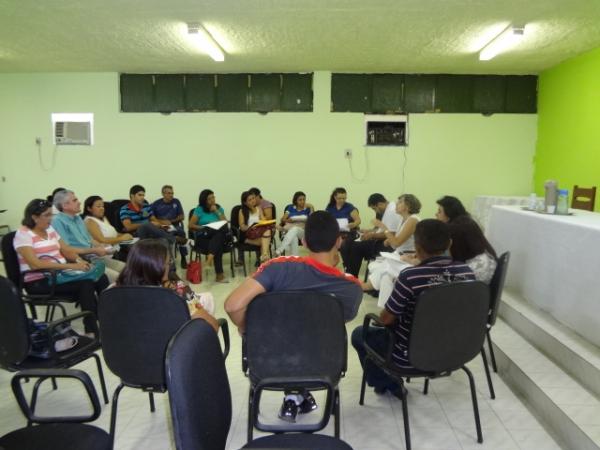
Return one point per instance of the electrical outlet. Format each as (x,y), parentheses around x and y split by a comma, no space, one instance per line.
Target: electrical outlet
(348,153)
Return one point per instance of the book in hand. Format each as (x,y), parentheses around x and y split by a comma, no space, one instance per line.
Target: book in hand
(301,218)
(266,222)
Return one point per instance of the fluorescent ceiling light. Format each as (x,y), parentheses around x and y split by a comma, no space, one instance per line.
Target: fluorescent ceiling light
(205,42)
(511,36)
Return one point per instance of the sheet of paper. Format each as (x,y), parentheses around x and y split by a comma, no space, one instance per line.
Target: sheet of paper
(216,225)
(343,223)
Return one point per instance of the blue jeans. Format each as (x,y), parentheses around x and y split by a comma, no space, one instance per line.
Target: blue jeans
(378,340)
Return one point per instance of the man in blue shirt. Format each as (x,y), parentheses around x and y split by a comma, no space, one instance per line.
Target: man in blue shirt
(168,211)
(72,229)
(432,240)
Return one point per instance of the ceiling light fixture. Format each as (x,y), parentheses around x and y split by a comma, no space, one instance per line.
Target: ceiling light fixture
(509,37)
(205,41)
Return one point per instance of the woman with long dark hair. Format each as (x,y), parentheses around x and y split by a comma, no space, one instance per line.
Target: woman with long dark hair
(470,246)
(207,239)
(292,224)
(348,219)
(449,208)
(253,232)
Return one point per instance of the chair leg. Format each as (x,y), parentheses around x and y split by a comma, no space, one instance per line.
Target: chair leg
(492,356)
(113,413)
(475,408)
(62,309)
(34,394)
(54,385)
(405,416)
(426,386)
(151,397)
(101,376)
(336,411)
(250,418)
(487,374)
(243,255)
(361,400)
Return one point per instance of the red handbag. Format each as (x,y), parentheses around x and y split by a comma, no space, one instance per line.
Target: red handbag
(194,272)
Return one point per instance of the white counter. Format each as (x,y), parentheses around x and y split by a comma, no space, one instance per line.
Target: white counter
(554,264)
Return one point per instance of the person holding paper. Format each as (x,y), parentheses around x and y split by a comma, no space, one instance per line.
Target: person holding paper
(255,228)
(209,227)
(169,212)
(347,217)
(292,224)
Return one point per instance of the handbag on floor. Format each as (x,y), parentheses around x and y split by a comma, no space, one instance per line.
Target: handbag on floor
(194,272)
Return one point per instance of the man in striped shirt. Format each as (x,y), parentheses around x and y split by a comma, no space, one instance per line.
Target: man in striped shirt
(432,241)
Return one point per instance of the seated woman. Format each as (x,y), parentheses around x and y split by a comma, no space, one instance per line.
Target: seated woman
(346,215)
(292,223)
(39,246)
(102,231)
(252,232)
(470,246)
(208,239)
(449,208)
(148,264)
(383,271)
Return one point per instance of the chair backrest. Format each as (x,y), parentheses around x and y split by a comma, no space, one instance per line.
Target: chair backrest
(198,387)
(497,285)
(136,323)
(235,218)
(114,216)
(295,333)
(10,259)
(14,333)
(449,326)
(583,198)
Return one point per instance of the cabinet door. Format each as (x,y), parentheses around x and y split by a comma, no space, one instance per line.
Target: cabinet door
(200,92)
(351,93)
(489,92)
(169,94)
(265,92)
(521,94)
(388,95)
(232,93)
(137,93)
(454,94)
(297,92)
(419,93)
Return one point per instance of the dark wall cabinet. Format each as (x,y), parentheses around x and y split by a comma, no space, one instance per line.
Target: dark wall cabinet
(416,93)
(168,93)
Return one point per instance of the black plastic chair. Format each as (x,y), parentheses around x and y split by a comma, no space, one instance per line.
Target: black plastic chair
(51,300)
(448,330)
(238,238)
(136,324)
(201,245)
(496,287)
(294,340)
(15,341)
(113,214)
(56,433)
(200,397)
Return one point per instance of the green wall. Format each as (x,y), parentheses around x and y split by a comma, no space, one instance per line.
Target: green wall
(459,154)
(568,148)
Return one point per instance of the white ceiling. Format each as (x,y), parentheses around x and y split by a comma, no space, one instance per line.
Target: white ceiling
(403,36)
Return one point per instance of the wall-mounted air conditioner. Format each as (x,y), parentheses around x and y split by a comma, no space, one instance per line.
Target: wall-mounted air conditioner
(73,129)
(386,130)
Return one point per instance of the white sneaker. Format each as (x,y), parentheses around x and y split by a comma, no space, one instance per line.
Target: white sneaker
(65,344)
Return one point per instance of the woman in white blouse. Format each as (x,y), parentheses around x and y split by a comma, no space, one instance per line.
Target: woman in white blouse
(98,226)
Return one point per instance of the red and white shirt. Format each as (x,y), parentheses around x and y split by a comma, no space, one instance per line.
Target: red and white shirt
(48,248)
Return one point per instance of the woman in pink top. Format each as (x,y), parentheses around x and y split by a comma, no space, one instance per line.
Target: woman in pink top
(39,246)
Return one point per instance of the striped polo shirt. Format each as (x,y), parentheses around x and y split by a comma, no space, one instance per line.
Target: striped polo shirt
(411,282)
(48,248)
(135,214)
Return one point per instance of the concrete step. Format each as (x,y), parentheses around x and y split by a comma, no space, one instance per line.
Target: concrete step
(555,371)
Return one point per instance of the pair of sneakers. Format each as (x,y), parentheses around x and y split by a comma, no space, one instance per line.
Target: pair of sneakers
(289,409)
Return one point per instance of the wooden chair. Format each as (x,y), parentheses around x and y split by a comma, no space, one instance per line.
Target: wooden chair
(583,198)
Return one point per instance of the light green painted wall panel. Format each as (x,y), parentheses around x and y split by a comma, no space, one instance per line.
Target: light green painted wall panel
(458,154)
(568,148)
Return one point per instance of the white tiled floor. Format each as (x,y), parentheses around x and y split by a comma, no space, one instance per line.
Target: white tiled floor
(441,420)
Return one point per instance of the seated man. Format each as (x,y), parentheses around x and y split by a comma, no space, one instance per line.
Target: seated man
(168,211)
(316,272)
(70,226)
(432,240)
(372,241)
(138,219)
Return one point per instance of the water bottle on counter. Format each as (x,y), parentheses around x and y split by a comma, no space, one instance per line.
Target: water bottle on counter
(532,201)
(562,202)
(550,197)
